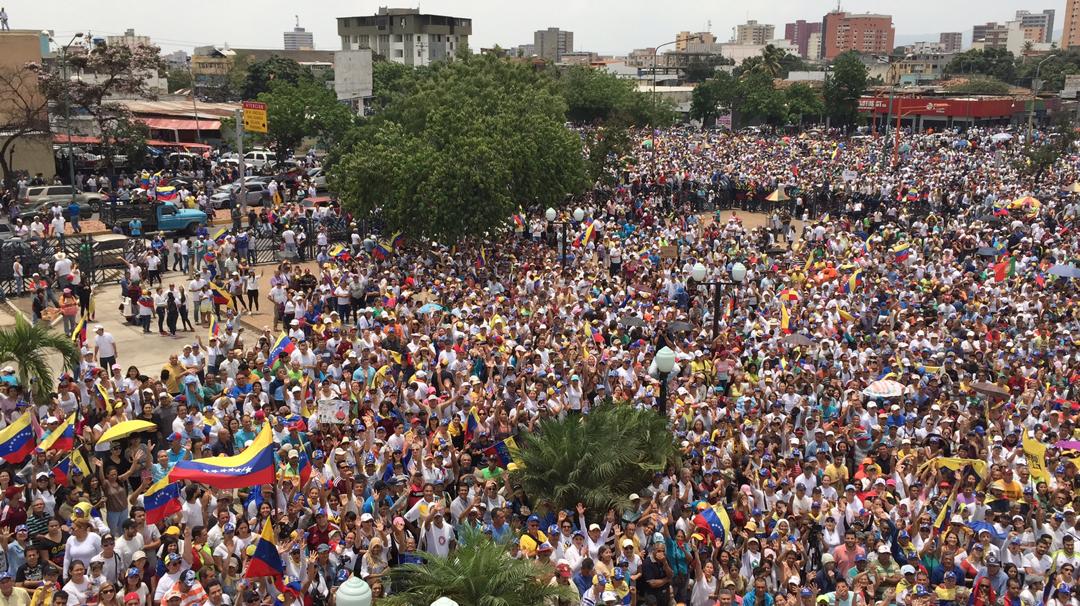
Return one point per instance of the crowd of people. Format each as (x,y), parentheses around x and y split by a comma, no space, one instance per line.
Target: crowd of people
(892,345)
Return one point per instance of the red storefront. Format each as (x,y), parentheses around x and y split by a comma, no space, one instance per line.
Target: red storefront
(922,112)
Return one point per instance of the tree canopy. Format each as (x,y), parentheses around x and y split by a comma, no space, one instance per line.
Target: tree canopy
(996,63)
(844,88)
(594,95)
(304,109)
(261,75)
(474,140)
(754,98)
(980,86)
(773,62)
(23,110)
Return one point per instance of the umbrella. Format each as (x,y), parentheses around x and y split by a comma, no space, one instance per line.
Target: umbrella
(1064,271)
(1030,205)
(990,251)
(798,339)
(789,295)
(631,321)
(126,428)
(998,138)
(1075,188)
(990,389)
(778,196)
(680,326)
(884,388)
(430,307)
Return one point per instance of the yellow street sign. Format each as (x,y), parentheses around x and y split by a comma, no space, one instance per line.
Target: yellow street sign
(254,116)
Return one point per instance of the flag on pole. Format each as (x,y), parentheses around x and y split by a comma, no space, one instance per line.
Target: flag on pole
(266,561)
(161,500)
(61,439)
(78,336)
(215,328)
(714,521)
(221,296)
(785,318)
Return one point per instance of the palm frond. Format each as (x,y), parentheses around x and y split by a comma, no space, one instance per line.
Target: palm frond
(29,347)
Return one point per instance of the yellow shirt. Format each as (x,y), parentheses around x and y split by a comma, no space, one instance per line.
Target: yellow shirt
(18,597)
(529,545)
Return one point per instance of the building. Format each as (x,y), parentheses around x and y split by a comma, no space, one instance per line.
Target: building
(524,50)
(862,32)
(129,39)
(1044,20)
(1021,39)
(940,112)
(552,43)
(177,59)
(741,52)
(405,35)
(951,42)
(210,65)
(990,35)
(32,152)
(299,38)
(352,77)
(919,67)
(753,32)
(1070,33)
(799,33)
(813,46)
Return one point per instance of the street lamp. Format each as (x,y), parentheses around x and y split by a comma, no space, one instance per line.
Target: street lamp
(1036,84)
(550,214)
(738,273)
(665,363)
(67,106)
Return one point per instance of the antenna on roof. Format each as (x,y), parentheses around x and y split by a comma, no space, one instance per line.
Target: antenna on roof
(297,20)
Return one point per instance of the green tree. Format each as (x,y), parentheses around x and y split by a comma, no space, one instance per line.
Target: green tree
(110,72)
(479,571)
(474,140)
(700,70)
(29,348)
(996,63)
(1060,63)
(596,95)
(758,100)
(710,97)
(23,111)
(178,78)
(1041,158)
(390,80)
(306,109)
(980,86)
(598,460)
(803,103)
(844,88)
(773,61)
(261,75)
(605,145)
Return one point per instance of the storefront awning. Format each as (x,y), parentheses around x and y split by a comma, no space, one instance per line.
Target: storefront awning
(160,143)
(181,124)
(75,139)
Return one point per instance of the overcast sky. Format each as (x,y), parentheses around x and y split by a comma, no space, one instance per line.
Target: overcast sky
(605,26)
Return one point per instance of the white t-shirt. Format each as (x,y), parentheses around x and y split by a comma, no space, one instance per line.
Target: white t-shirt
(106,345)
(438,539)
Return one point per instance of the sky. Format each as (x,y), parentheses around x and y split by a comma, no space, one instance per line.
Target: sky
(603,26)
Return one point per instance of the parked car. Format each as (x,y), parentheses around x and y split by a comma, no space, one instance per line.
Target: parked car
(6,233)
(42,207)
(256,194)
(259,158)
(50,192)
(318,177)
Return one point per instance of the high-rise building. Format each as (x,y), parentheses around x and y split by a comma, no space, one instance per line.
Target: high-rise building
(1070,33)
(405,35)
(951,42)
(753,32)
(684,41)
(863,32)
(813,46)
(552,43)
(1045,20)
(299,38)
(990,35)
(798,33)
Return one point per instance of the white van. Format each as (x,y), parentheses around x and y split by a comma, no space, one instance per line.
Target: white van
(258,159)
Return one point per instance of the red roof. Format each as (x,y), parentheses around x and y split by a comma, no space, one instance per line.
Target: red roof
(160,143)
(77,139)
(181,124)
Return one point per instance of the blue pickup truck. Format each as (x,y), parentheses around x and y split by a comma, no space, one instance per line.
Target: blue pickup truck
(163,216)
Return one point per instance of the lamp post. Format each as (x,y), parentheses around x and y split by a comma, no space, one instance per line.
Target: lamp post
(67,106)
(738,273)
(551,214)
(665,363)
(1036,84)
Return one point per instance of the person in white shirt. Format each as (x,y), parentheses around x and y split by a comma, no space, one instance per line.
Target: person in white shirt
(104,347)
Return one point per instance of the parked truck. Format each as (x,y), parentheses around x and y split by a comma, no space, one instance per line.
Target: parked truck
(163,216)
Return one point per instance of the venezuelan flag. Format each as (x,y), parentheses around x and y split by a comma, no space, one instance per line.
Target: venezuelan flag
(283,345)
(785,318)
(336,251)
(161,500)
(902,251)
(305,466)
(221,297)
(105,399)
(252,467)
(518,220)
(397,241)
(167,193)
(78,336)
(219,237)
(61,439)
(851,284)
(215,328)
(714,521)
(266,561)
(836,151)
(63,469)
(381,251)
(503,451)
(17,440)
(472,425)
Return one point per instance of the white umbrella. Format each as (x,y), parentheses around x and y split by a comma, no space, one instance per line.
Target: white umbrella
(883,388)
(998,138)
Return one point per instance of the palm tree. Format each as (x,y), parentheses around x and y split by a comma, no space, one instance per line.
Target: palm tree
(480,571)
(29,348)
(599,460)
(772,61)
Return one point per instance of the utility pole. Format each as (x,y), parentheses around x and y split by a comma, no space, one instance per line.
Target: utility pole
(241,194)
